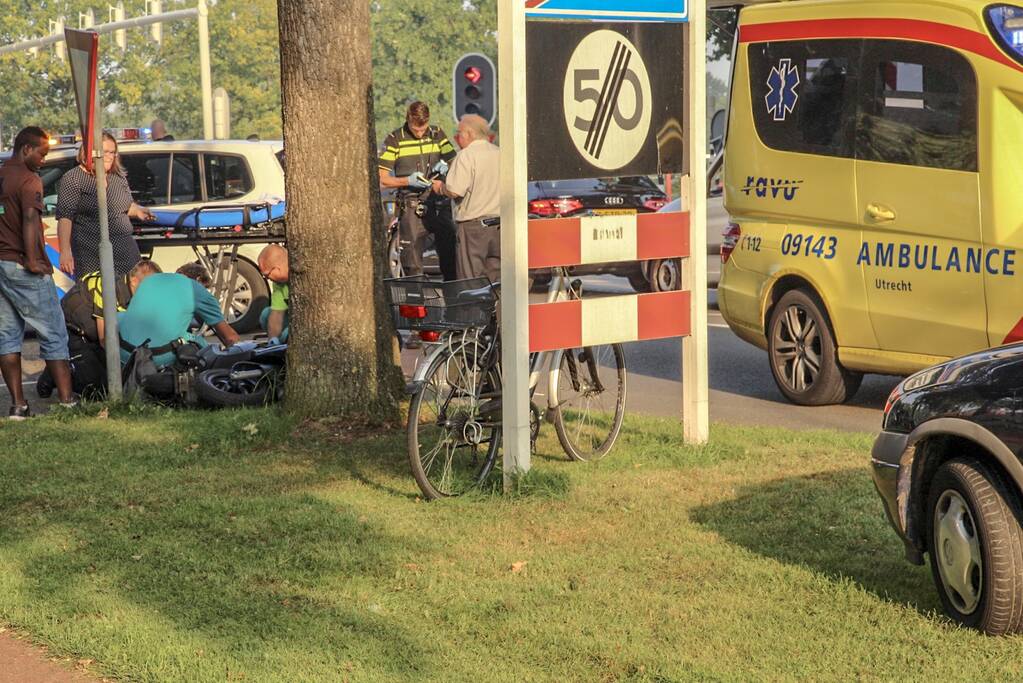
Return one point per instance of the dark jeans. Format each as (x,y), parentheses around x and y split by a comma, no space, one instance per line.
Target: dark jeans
(413,231)
(88,369)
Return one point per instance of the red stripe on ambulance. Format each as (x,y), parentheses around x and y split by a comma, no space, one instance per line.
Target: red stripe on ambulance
(900,29)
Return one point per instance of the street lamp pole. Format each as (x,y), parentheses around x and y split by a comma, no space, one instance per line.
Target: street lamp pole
(206,79)
(200,12)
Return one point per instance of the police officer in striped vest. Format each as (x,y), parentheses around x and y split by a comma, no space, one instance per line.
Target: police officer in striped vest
(411,155)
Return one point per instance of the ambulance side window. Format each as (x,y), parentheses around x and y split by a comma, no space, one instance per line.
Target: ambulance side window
(919,106)
(804,95)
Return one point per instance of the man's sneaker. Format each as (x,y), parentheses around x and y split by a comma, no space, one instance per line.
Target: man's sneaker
(69,404)
(19,413)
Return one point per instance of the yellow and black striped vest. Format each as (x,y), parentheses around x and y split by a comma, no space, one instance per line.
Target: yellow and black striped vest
(405,154)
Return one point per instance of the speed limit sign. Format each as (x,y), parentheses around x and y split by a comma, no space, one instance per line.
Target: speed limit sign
(607,99)
(620,107)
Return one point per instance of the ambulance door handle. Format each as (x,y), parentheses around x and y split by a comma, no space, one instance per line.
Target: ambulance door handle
(880,214)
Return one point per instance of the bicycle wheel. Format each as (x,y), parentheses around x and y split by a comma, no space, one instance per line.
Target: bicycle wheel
(590,399)
(454,424)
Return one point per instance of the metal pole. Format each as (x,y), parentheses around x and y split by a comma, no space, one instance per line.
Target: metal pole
(176,15)
(511,33)
(695,395)
(205,77)
(111,338)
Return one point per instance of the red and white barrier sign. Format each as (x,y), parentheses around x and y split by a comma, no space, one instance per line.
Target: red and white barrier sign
(555,242)
(607,320)
(606,239)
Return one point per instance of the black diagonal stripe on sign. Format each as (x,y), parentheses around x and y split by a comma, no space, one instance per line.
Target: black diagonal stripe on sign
(599,143)
(602,100)
(608,104)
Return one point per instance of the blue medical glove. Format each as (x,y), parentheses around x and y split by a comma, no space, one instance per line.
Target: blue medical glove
(418,181)
(440,168)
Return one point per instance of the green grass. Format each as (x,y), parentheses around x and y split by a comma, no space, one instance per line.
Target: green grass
(239,546)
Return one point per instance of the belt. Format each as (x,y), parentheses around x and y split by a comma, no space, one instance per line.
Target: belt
(480,221)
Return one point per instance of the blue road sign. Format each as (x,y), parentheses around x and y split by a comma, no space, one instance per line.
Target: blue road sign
(609,10)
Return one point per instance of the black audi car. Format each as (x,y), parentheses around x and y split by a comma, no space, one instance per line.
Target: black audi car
(949,467)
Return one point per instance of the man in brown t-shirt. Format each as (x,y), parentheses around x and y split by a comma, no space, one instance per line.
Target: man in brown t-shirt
(27,292)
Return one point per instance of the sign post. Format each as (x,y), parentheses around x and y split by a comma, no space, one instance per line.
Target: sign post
(610,88)
(83,52)
(511,32)
(695,391)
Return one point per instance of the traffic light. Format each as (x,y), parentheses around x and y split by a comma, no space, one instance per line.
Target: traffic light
(475,87)
(60,47)
(120,35)
(154,7)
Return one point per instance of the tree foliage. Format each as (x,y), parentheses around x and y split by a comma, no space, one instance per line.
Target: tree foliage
(147,80)
(415,46)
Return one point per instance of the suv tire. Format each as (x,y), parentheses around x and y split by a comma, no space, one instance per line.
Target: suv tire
(976,546)
(803,354)
(251,293)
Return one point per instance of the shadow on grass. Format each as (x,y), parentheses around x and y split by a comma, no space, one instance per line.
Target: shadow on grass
(832,523)
(219,534)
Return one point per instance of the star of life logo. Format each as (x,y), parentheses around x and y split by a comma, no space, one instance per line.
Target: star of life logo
(782,94)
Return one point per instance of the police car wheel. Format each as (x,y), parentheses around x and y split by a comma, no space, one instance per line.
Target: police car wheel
(976,546)
(803,354)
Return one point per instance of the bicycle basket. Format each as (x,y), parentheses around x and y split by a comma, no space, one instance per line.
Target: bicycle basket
(419,303)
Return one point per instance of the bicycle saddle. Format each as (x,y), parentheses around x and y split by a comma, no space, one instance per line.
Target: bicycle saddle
(488,293)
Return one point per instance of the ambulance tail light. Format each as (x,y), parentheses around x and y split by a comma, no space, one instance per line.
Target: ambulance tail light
(412,312)
(1005,22)
(552,208)
(729,238)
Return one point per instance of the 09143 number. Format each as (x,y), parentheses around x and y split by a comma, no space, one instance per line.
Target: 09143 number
(809,245)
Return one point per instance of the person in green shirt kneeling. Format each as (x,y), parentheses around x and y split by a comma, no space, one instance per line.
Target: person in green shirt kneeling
(273,264)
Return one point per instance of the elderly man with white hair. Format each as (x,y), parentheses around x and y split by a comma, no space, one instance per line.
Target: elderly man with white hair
(473,183)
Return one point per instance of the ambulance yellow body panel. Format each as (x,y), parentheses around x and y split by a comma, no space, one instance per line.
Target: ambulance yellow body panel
(874,176)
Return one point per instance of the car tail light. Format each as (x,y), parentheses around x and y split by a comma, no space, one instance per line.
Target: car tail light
(550,208)
(429,335)
(412,312)
(729,238)
(655,204)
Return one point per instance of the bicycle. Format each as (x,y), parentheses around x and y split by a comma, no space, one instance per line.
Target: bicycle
(454,423)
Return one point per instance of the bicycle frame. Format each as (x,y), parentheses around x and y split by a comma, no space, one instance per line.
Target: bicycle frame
(557,291)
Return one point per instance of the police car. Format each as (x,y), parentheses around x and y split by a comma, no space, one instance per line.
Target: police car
(183,175)
(872,175)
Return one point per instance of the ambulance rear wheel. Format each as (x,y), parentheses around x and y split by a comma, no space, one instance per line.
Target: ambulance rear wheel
(803,353)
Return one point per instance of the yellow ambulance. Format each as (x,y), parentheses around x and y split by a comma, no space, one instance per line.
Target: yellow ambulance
(874,179)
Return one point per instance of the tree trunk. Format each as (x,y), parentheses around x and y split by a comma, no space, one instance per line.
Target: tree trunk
(342,355)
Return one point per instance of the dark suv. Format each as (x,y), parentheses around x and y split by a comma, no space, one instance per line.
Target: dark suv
(948,467)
